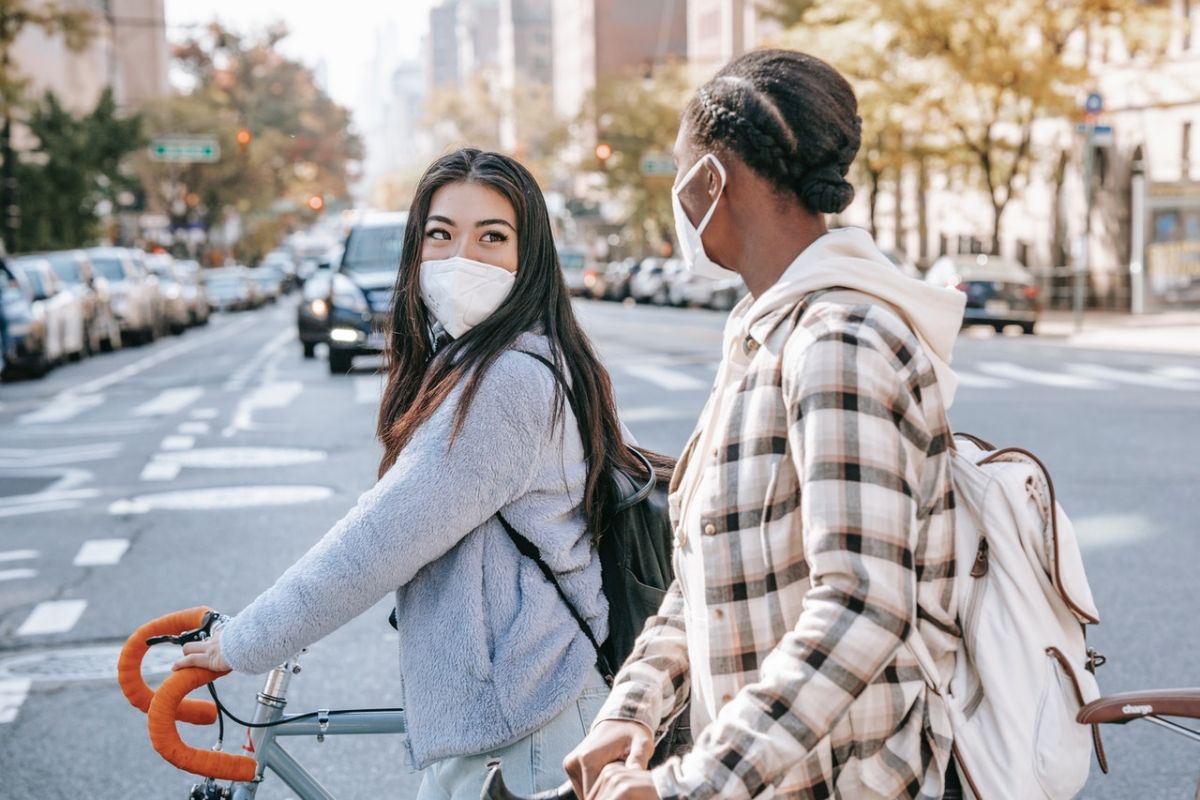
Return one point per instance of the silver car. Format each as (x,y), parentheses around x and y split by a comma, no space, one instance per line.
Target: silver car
(134,298)
(171,290)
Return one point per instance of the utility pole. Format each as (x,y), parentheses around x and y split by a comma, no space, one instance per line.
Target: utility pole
(1092,108)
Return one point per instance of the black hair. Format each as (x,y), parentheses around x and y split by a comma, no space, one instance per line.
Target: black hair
(790,117)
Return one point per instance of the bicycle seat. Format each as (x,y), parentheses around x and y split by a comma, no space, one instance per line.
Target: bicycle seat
(1121,708)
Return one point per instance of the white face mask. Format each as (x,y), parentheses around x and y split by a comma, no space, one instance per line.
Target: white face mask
(461,293)
(691,245)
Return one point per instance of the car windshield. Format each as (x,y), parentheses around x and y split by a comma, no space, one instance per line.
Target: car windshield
(66,267)
(376,247)
(110,268)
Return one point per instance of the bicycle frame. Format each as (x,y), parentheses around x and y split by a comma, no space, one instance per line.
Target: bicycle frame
(269,753)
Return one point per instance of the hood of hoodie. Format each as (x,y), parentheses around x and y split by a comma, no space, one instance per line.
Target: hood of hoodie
(848,258)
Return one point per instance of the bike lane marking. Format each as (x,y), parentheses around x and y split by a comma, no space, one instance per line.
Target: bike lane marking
(52,616)
(101,552)
(13,692)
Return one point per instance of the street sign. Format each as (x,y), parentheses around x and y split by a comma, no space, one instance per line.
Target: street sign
(185,149)
(1101,135)
(657,164)
(1094,103)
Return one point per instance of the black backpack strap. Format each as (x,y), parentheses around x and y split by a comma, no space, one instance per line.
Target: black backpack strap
(530,551)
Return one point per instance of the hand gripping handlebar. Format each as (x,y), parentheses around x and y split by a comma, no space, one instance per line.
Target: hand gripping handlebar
(168,705)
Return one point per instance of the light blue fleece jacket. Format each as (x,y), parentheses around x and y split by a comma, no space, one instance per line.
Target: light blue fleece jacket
(488,651)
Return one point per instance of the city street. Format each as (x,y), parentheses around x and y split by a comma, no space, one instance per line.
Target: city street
(195,470)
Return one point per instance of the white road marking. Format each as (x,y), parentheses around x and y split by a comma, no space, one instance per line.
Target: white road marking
(13,692)
(247,372)
(158,470)
(169,401)
(653,413)
(61,409)
(237,457)
(101,552)
(271,395)
(971,380)
(1004,369)
(1136,378)
(40,508)
(105,429)
(16,574)
(204,413)
(1179,373)
(194,428)
(52,616)
(227,497)
(666,378)
(178,442)
(368,389)
(18,555)
(54,456)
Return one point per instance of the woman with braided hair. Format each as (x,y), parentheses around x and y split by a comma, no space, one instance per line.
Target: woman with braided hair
(813,607)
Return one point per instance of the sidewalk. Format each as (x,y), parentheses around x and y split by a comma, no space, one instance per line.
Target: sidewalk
(1164,332)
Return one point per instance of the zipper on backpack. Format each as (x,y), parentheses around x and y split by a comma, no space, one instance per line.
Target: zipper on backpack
(980,568)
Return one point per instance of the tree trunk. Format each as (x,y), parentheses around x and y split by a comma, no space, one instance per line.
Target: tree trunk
(873,199)
(898,223)
(922,209)
(997,218)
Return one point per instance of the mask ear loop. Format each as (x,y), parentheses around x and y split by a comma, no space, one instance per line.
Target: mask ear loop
(691,173)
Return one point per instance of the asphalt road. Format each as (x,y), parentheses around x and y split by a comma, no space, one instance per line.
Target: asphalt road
(195,470)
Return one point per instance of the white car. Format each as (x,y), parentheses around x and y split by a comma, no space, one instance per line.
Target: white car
(134,298)
(688,289)
(171,287)
(652,283)
(58,305)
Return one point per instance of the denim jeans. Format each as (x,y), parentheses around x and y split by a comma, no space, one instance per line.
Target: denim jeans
(532,764)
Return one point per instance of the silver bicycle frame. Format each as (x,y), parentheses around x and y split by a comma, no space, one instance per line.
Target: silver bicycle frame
(269,753)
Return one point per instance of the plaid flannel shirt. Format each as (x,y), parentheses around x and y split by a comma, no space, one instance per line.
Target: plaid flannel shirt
(828,540)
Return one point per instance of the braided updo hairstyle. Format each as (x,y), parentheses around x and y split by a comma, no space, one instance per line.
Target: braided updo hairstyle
(790,117)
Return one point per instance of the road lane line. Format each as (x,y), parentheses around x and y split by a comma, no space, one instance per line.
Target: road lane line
(52,616)
(160,471)
(58,456)
(669,379)
(653,413)
(271,395)
(1004,369)
(177,442)
(204,413)
(1135,378)
(61,409)
(970,379)
(169,401)
(1179,373)
(101,552)
(13,692)
(194,428)
(18,555)
(39,508)
(16,574)
(241,379)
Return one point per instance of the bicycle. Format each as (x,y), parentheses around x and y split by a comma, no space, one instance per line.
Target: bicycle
(168,705)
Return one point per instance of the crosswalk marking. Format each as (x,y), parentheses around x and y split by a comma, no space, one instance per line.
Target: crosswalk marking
(1179,373)
(13,692)
(204,413)
(1004,369)
(101,552)
(1136,378)
(196,428)
(970,379)
(169,401)
(160,471)
(61,409)
(178,442)
(57,456)
(16,574)
(18,555)
(52,616)
(669,379)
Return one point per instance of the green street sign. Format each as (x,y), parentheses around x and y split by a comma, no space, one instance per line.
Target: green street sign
(657,164)
(185,149)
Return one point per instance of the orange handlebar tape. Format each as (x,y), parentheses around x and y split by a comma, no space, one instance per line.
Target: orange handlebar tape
(161,720)
(129,666)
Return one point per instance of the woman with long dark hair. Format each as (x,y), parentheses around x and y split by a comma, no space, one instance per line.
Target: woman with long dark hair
(475,426)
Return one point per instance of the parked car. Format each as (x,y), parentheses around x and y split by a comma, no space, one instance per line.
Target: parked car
(697,291)
(228,289)
(171,289)
(61,308)
(133,297)
(616,278)
(194,293)
(573,262)
(312,315)
(270,282)
(157,294)
(282,262)
(360,292)
(26,354)
(999,292)
(653,281)
(76,271)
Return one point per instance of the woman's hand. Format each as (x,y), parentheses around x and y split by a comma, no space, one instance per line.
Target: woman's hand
(622,782)
(613,741)
(205,654)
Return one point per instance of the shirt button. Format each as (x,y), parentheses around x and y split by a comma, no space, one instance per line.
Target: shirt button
(718,613)
(725,698)
(750,344)
(710,530)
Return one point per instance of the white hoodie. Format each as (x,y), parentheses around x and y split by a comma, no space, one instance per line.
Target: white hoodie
(848,258)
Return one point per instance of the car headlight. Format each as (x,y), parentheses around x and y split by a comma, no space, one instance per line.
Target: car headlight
(347,295)
(319,307)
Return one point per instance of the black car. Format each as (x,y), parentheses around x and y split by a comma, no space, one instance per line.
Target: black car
(26,353)
(360,294)
(999,292)
(312,315)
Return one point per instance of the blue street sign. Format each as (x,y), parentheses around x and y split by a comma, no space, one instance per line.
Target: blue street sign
(1094,104)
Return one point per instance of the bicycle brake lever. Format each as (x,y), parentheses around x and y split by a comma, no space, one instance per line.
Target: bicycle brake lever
(194,635)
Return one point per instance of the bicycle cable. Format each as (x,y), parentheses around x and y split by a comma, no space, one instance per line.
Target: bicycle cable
(222,710)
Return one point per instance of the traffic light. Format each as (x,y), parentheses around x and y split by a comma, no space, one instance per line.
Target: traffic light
(604,152)
(243,139)
(316,202)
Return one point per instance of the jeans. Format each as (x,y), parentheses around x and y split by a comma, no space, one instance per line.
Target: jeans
(532,764)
